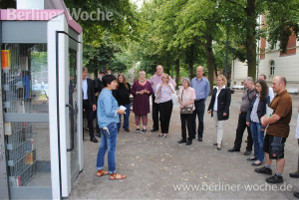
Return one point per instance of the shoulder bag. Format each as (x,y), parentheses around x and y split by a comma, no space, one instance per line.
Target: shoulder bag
(186,110)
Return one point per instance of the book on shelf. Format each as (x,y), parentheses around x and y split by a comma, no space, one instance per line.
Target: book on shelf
(7,128)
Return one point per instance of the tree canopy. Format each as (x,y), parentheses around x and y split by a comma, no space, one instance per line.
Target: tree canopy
(182,34)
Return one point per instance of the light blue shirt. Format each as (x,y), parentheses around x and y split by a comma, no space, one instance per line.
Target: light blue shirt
(107,109)
(201,87)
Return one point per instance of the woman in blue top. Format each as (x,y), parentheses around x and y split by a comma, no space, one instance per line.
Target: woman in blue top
(107,119)
(256,111)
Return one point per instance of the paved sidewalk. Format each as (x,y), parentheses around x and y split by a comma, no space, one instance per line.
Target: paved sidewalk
(157,167)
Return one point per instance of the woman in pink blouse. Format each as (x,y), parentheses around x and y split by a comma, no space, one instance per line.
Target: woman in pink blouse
(141,91)
(164,99)
(186,100)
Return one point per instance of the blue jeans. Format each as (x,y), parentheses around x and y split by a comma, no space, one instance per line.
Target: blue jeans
(126,118)
(258,140)
(108,142)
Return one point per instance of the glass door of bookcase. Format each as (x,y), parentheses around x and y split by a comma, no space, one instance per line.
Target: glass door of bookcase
(73,114)
(24,82)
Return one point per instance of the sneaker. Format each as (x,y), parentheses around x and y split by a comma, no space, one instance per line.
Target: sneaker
(137,130)
(263,170)
(127,130)
(200,139)
(275,179)
(189,142)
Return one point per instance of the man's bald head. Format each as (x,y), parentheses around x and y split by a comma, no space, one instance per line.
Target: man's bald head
(159,70)
(279,84)
(200,68)
(199,71)
(283,80)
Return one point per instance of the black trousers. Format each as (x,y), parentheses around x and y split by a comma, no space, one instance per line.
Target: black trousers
(199,111)
(89,116)
(239,133)
(98,130)
(155,113)
(186,119)
(165,114)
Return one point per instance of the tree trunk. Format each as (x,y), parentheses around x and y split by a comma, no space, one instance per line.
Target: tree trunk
(190,60)
(250,38)
(177,71)
(210,56)
(167,68)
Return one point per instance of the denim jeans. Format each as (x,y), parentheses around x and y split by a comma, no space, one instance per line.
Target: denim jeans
(126,118)
(258,140)
(108,142)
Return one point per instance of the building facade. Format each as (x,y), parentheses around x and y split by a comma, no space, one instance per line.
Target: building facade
(272,63)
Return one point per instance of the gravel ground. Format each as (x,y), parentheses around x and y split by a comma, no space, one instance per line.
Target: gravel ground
(159,168)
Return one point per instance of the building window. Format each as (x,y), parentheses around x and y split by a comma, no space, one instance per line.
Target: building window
(272,68)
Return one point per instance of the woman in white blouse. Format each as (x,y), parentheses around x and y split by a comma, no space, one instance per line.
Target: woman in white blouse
(219,107)
(164,100)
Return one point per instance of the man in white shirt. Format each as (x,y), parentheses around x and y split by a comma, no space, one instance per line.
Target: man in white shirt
(89,102)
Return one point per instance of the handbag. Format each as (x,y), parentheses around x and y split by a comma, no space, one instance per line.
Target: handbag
(186,110)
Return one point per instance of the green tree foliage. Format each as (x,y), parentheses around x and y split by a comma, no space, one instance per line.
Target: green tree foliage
(241,18)
(282,21)
(180,33)
(104,39)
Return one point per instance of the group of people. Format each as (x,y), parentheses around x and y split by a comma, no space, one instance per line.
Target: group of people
(266,117)
(109,97)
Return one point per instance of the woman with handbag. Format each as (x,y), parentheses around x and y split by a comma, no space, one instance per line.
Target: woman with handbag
(219,107)
(186,100)
(164,100)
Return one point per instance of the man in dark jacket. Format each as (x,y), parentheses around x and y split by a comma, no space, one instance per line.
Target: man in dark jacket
(89,102)
(247,97)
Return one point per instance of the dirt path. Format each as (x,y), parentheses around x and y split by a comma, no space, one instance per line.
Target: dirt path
(159,168)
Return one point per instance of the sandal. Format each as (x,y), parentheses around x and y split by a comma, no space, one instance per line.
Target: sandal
(160,135)
(102,173)
(256,163)
(116,176)
(165,136)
